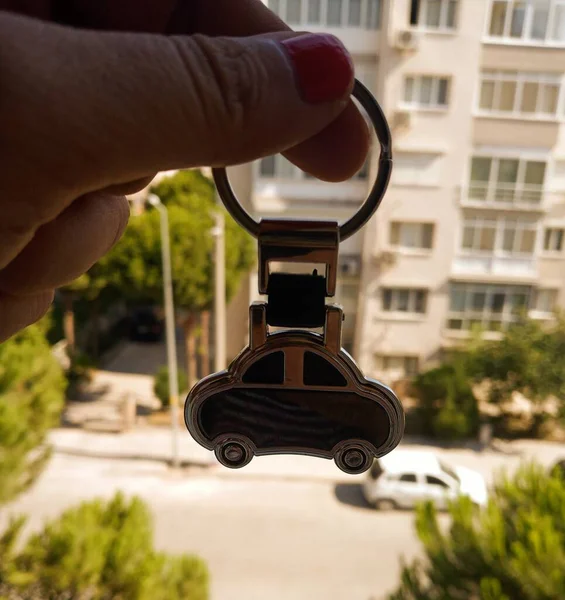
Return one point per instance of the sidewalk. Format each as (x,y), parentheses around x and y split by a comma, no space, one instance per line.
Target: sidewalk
(154,444)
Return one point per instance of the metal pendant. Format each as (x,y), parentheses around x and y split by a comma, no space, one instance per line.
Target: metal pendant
(295,390)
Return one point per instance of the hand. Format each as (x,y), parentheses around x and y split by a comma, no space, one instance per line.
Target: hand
(87,116)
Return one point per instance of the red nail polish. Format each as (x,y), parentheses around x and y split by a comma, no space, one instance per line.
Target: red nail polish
(322,66)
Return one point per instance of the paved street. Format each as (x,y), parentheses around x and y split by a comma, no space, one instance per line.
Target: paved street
(281,540)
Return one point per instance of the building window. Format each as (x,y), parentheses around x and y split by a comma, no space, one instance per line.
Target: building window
(411,235)
(405,300)
(533,21)
(397,367)
(416,169)
(490,307)
(519,94)
(425,91)
(502,236)
(363,14)
(434,14)
(553,239)
(506,180)
(545,300)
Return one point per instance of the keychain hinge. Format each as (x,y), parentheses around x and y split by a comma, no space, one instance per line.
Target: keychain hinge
(297,299)
(285,240)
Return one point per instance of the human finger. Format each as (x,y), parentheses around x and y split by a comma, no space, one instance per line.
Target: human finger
(66,247)
(17,312)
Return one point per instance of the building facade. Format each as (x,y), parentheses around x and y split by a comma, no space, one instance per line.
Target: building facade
(472,229)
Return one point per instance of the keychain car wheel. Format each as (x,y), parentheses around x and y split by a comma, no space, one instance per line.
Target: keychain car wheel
(234,451)
(353,458)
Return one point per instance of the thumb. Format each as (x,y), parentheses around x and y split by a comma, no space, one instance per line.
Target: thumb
(107,108)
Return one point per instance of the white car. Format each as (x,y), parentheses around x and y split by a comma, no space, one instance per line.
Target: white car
(403,478)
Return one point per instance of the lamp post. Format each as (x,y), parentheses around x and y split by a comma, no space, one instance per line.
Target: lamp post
(155,201)
(219,292)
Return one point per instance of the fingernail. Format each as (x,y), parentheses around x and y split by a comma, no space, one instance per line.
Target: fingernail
(323,68)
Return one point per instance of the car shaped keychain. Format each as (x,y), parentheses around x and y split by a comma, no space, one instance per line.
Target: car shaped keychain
(295,390)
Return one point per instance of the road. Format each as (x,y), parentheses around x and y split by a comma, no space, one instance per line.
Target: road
(275,539)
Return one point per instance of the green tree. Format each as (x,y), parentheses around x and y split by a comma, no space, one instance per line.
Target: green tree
(529,359)
(32,392)
(134,265)
(512,550)
(447,406)
(97,551)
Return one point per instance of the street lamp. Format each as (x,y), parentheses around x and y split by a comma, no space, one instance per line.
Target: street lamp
(218,232)
(155,201)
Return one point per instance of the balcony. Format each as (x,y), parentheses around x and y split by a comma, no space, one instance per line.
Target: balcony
(355,22)
(510,196)
(508,267)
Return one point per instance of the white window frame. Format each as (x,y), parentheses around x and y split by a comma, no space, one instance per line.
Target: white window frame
(443,26)
(408,361)
(553,231)
(500,225)
(412,300)
(415,103)
(370,17)
(526,40)
(506,317)
(520,78)
(422,173)
(420,249)
(554,293)
(520,189)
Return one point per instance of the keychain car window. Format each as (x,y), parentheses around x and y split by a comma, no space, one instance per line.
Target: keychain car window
(296,391)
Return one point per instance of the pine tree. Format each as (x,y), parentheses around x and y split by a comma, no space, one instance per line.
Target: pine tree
(512,550)
(99,550)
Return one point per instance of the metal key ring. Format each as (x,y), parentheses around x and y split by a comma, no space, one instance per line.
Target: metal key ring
(366,211)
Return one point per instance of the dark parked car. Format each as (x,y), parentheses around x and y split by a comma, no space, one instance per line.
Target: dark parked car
(145,326)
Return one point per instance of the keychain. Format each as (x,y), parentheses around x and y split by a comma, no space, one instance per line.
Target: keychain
(296,391)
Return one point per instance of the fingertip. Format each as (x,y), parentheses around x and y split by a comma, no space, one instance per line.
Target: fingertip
(18,312)
(337,152)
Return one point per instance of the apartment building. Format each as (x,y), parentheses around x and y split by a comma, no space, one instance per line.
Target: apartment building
(472,229)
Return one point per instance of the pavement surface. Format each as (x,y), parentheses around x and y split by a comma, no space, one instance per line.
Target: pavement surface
(154,444)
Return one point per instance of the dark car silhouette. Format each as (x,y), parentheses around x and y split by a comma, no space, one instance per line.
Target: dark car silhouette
(293,395)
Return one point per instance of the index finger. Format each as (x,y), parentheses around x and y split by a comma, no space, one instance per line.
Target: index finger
(335,154)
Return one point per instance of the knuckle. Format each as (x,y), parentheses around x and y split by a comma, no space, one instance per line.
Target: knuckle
(230,81)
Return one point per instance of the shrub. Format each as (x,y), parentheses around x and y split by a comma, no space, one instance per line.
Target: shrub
(161,384)
(32,393)
(448,407)
(97,551)
(512,550)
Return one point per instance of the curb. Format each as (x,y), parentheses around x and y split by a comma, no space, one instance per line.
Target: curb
(213,468)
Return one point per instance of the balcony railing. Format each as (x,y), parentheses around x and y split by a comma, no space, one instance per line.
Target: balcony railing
(510,266)
(510,195)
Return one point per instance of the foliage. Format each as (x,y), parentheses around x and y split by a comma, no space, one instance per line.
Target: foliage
(529,359)
(134,265)
(97,551)
(514,549)
(32,390)
(161,384)
(448,407)
(79,371)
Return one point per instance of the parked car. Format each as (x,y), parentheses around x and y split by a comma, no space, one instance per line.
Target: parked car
(404,478)
(145,326)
